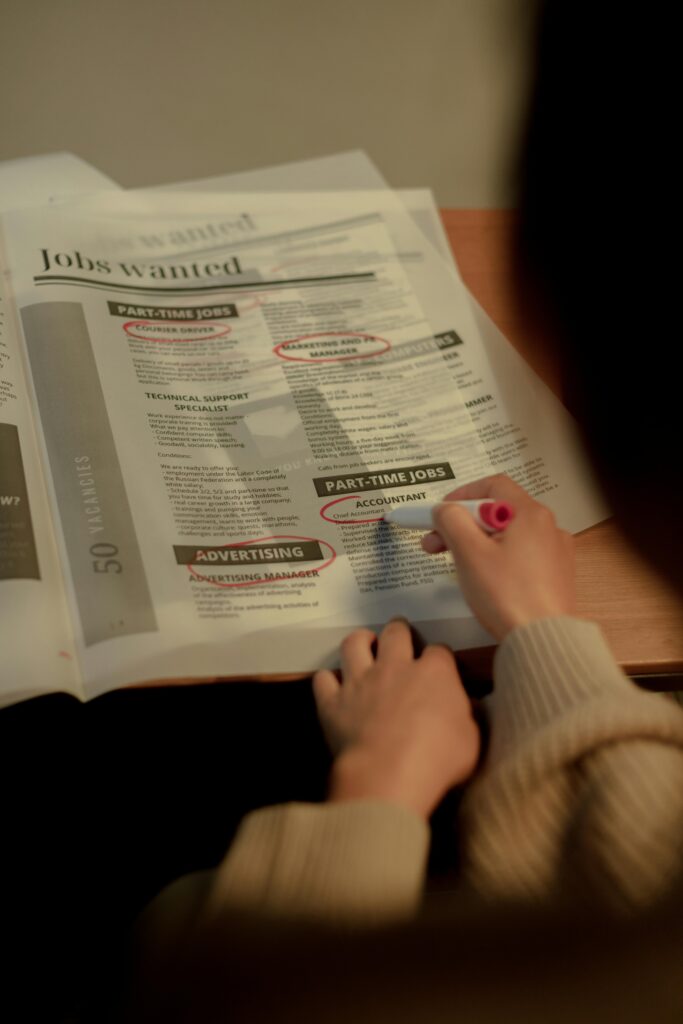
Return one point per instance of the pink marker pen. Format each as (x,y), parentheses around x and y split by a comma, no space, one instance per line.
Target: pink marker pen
(492,516)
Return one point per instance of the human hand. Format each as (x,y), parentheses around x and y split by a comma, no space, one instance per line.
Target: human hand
(510,578)
(401,726)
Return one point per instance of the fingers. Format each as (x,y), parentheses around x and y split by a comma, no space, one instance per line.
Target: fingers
(458,526)
(459,531)
(454,532)
(395,642)
(325,687)
(433,543)
(439,660)
(356,653)
(440,657)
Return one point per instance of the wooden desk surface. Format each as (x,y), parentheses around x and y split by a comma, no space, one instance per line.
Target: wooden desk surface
(639,615)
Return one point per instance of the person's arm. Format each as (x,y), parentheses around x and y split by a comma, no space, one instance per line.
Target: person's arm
(402,732)
(582,788)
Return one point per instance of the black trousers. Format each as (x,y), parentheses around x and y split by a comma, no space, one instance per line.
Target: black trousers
(107,802)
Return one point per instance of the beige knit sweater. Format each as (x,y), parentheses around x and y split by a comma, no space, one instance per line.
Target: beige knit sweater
(581,791)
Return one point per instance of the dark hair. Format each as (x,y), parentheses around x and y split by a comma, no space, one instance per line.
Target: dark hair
(592,259)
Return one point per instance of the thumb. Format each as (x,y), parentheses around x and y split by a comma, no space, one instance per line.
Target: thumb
(459,531)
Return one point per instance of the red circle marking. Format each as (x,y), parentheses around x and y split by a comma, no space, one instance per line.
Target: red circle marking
(225,329)
(332,359)
(259,540)
(346,522)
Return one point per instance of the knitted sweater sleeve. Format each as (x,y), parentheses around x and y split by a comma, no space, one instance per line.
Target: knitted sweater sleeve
(582,787)
(354,862)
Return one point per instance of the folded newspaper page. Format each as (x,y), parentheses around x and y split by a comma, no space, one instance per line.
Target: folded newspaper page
(38,652)
(228,392)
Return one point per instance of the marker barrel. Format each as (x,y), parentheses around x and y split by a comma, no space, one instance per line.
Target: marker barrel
(491,516)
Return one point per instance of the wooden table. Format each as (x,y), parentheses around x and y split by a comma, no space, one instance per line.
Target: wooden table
(640,617)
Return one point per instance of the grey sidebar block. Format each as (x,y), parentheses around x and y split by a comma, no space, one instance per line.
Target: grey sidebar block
(104,555)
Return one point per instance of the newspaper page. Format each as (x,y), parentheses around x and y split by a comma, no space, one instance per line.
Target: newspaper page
(524,402)
(350,170)
(230,397)
(38,654)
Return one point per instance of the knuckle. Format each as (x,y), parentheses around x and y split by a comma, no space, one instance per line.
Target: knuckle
(439,652)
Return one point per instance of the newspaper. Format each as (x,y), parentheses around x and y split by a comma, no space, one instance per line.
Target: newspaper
(228,392)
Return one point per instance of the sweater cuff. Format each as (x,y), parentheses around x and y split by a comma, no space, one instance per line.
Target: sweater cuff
(542,670)
(354,862)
